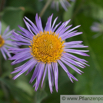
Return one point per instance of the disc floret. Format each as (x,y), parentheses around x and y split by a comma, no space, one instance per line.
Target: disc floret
(1,41)
(47,47)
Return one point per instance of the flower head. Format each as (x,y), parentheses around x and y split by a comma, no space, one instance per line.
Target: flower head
(97,27)
(46,50)
(64,3)
(5,42)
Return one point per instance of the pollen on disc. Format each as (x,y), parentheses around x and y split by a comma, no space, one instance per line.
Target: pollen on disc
(1,41)
(47,47)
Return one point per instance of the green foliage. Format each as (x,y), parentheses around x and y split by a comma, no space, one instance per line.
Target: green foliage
(81,12)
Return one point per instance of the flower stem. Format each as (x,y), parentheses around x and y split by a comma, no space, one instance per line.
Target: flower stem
(77,9)
(45,7)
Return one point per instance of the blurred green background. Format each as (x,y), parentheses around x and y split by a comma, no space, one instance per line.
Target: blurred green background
(81,12)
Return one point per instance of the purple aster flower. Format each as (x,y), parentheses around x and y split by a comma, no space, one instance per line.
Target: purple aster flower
(64,3)
(5,42)
(46,50)
(97,27)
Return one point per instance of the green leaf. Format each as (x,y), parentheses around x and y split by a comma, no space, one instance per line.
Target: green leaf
(18,93)
(25,86)
(13,17)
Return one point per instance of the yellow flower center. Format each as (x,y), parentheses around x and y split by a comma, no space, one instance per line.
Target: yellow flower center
(1,41)
(47,47)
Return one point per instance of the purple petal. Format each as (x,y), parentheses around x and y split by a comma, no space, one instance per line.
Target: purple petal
(20,43)
(8,42)
(22,59)
(80,52)
(56,26)
(17,50)
(55,69)
(34,28)
(66,70)
(49,78)
(67,3)
(75,58)
(6,30)
(6,51)
(20,38)
(63,5)
(64,30)
(73,42)
(74,28)
(17,69)
(48,24)
(44,74)
(39,76)
(31,68)
(52,76)
(71,35)
(6,36)
(78,64)
(38,23)
(29,27)
(70,65)
(20,55)
(35,73)
(54,22)
(26,33)
(0,27)
(62,26)
(3,53)
(27,66)
(75,46)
